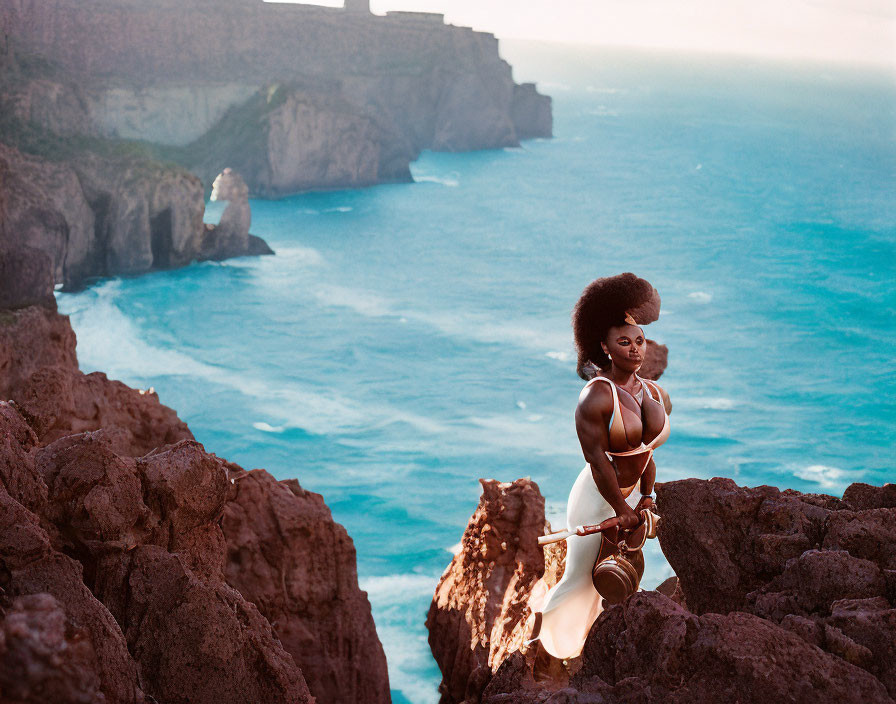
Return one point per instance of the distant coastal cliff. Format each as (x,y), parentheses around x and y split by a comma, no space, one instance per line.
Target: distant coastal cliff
(293,97)
(117,115)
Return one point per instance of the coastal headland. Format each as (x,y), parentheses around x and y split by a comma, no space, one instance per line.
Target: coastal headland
(116,116)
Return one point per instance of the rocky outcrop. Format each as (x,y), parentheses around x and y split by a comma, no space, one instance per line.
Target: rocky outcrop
(530,112)
(103,215)
(478,614)
(46,209)
(650,649)
(39,370)
(288,138)
(117,582)
(367,93)
(820,567)
(778,596)
(286,555)
(27,277)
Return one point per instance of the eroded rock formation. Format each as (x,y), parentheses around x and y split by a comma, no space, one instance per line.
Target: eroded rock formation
(778,596)
(103,215)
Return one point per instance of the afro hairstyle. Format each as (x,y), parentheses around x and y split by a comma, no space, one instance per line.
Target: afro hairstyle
(604,304)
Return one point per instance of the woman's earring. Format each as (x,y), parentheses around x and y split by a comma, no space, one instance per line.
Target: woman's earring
(609,356)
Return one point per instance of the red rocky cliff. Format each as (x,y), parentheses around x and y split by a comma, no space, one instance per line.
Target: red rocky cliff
(131,559)
(780,596)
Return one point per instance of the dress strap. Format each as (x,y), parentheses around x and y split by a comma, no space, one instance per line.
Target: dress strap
(615,400)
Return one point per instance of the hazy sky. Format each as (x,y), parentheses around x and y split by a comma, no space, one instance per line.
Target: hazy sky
(843,30)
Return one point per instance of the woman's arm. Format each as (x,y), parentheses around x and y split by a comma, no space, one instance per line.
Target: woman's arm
(591,426)
(647,480)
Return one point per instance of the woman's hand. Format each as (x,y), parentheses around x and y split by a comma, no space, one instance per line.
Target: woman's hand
(646,502)
(628,519)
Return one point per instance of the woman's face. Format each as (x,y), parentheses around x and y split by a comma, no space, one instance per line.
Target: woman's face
(627,346)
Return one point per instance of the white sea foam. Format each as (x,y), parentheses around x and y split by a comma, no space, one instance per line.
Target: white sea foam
(110,341)
(521,405)
(827,477)
(407,655)
(339,209)
(700,296)
(363,302)
(715,403)
(472,326)
(443,180)
(267,428)
(539,438)
(559,356)
(296,254)
(456,548)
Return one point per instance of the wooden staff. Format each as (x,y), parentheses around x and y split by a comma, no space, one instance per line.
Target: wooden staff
(587,530)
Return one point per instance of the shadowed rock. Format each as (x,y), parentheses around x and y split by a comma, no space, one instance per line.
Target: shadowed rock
(44,657)
(287,555)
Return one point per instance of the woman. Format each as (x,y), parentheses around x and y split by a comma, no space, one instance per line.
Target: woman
(621,419)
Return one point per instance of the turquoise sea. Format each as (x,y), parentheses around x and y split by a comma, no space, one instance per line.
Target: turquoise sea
(408,339)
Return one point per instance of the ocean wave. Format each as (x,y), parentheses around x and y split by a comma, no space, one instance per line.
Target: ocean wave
(267,428)
(443,180)
(700,296)
(111,341)
(339,209)
(715,403)
(407,656)
(363,302)
(471,326)
(559,356)
(832,478)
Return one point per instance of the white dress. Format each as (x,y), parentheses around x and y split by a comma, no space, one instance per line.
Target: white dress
(571,606)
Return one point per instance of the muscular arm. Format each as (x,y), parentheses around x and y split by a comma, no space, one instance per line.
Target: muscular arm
(592,420)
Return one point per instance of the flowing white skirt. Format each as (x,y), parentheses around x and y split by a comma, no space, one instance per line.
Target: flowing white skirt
(571,606)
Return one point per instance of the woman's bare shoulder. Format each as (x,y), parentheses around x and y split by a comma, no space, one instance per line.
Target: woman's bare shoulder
(596,399)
